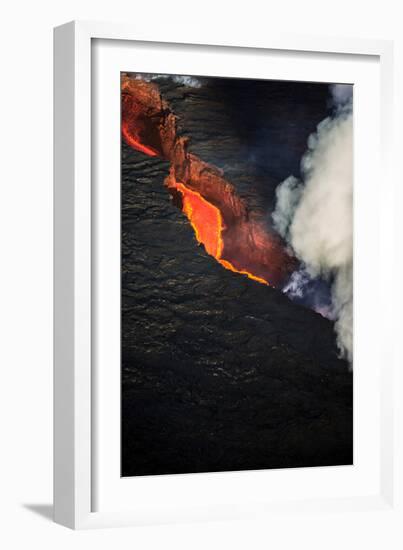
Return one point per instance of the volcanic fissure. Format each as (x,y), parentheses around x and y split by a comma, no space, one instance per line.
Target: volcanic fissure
(237,238)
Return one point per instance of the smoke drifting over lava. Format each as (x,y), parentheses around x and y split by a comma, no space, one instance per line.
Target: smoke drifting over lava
(182,80)
(315,215)
(219,370)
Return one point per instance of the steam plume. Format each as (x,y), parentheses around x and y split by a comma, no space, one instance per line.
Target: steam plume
(288,195)
(181,80)
(315,216)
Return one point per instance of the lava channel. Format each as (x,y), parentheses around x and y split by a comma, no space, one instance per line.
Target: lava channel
(207,223)
(219,217)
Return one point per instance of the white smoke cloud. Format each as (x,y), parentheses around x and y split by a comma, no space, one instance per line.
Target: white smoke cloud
(295,288)
(316,217)
(341,94)
(189,81)
(182,80)
(306,288)
(288,195)
(342,294)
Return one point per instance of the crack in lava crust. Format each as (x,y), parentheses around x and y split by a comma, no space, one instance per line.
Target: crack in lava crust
(136,144)
(208,226)
(237,239)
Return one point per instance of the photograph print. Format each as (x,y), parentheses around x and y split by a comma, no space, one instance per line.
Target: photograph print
(236,274)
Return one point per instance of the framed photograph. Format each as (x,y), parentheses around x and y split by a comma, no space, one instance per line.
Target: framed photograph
(219,235)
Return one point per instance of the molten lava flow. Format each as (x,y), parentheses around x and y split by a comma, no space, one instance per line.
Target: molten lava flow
(208,225)
(228,265)
(222,222)
(205,219)
(133,142)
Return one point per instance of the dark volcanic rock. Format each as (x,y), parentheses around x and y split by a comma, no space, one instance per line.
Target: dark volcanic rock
(255,133)
(219,372)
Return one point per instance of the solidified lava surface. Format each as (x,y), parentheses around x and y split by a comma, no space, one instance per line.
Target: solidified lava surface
(220,372)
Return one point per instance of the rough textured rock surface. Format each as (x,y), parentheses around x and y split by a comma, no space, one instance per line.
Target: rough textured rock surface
(219,372)
(150,126)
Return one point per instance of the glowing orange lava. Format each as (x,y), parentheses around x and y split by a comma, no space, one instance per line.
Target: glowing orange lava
(228,265)
(205,219)
(208,225)
(220,218)
(130,140)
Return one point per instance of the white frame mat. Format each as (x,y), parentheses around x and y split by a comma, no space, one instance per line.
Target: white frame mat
(87,493)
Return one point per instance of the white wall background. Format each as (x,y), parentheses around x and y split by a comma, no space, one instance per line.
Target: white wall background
(26,272)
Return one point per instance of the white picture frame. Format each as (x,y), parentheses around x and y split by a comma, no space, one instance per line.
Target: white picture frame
(77,416)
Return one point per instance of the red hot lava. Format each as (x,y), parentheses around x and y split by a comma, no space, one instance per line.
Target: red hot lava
(219,217)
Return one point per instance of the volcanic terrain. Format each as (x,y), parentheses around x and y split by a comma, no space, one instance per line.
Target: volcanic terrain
(220,370)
